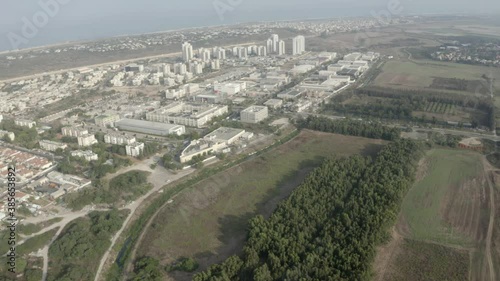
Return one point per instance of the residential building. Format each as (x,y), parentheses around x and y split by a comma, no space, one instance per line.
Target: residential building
(275,42)
(115,138)
(86,154)
(74,131)
(299,45)
(134,149)
(180,68)
(10,135)
(187,52)
(105,120)
(52,145)
(254,114)
(86,140)
(25,123)
(281,48)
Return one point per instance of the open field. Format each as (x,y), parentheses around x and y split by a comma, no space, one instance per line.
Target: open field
(422,74)
(445,206)
(444,230)
(208,221)
(420,261)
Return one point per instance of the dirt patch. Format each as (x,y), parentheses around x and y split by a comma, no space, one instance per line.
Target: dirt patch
(386,255)
(462,206)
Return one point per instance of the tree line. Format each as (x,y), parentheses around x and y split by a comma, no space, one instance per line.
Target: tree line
(330,225)
(350,127)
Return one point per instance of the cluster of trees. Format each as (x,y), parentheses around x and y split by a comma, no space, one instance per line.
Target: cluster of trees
(183,264)
(24,136)
(399,104)
(150,148)
(76,253)
(329,227)
(395,110)
(350,127)
(125,187)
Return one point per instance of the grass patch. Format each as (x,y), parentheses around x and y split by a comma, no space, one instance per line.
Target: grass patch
(421,74)
(30,228)
(422,207)
(420,261)
(36,243)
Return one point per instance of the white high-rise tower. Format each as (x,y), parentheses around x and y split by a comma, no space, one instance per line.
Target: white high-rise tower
(275,38)
(187,52)
(299,45)
(281,48)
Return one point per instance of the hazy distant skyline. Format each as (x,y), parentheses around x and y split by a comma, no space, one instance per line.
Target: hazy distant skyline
(92,19)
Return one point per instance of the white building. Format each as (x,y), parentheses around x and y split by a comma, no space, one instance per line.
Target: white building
(187,52)
(87,155)
(52,145)
(281,48)
(11,135)
(25,123)
(180,68)
(118,139)
(86,140)
(229,89)
(215,64)
(275,40)
(134,149)
(269,46)
(299,45)
(254,114)
(186,114)
(262,51)
(74,131)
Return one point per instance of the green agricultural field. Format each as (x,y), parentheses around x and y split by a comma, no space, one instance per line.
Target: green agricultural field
(420,74)
(430,207)
(208,221)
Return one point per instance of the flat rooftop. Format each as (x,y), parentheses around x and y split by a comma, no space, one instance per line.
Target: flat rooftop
(142,124)
(224,133)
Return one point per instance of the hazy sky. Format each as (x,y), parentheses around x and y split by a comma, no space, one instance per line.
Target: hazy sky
(88,19)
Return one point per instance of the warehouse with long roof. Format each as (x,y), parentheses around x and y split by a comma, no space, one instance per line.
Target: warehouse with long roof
(151,128)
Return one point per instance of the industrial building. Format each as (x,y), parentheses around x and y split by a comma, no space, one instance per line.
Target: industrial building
(254,114)
(148,127)
(225,135)
(216,142)
(191,115)
(291,94)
